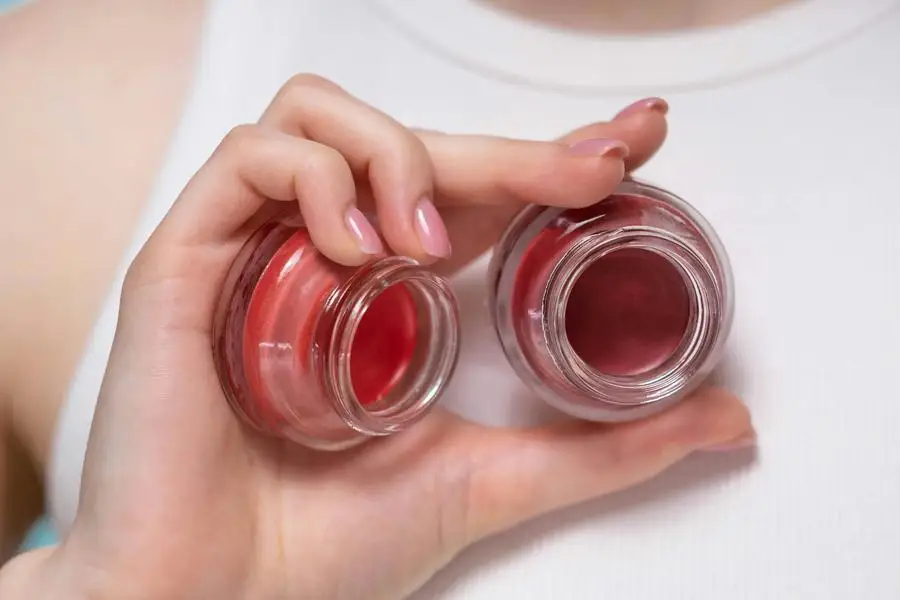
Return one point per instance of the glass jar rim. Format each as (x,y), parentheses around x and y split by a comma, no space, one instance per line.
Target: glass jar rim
(665,380)
(348,304)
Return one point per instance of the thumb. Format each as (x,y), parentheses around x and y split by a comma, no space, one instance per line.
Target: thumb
(520,475)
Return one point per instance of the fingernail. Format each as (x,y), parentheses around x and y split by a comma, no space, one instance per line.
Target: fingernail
(366,237)
(747,440)
(600,147)
(647,104)
(431,230)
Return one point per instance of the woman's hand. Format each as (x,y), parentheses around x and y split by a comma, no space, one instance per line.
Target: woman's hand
(180,501)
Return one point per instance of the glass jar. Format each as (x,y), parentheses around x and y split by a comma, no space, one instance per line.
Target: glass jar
(329,356)
(614,311)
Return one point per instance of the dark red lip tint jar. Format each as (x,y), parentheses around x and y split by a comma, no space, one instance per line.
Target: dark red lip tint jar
(615,311)
(329,356)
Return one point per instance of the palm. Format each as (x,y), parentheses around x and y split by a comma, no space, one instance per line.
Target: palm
(211,494)
(204,491)
(382,517)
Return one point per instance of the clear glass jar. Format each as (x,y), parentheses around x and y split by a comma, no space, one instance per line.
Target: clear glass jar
(615,311)
(329,356)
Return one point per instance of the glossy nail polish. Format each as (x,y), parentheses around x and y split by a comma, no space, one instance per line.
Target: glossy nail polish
(325,355)
(615,311)
(600,147)
(367,238)
(743,442)
(647,104)
(431,230)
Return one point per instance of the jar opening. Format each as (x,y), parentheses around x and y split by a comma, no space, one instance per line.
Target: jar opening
(613,311)
(628,312)
(384,345)
(642,375)
(390,346)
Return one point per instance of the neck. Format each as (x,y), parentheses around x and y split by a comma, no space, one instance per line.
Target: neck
(637,16)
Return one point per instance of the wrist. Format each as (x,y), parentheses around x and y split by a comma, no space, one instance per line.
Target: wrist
(43,574)
(25,576)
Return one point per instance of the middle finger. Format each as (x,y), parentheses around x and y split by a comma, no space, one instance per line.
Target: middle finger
(380,151)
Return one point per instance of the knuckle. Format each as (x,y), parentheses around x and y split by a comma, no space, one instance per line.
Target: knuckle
(134,275)
(298,90)
(310,81)
(325,160)
(417,148)
(240,138)
(409,142)
(140,273)
(400,148)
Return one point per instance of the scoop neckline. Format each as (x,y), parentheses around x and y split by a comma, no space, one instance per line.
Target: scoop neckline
(503,46)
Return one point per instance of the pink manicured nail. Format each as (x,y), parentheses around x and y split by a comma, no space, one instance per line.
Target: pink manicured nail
(431,230)
(652,104)
(600,147)
(366,237)
(747,440)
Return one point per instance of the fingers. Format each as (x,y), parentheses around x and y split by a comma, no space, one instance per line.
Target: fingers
(642,126)
(202,233)
(484,170)
(519,475)
(344,149)
(577,170)
(379,151)
(252,165)
(473,230)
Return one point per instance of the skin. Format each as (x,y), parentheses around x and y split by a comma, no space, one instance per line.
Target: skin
(48,162)
(458,482)
(637,16)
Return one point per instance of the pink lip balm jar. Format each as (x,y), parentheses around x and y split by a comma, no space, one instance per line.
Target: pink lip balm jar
(615,311)
(330,356)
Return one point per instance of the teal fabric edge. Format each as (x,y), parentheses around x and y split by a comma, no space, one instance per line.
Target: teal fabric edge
(41,534)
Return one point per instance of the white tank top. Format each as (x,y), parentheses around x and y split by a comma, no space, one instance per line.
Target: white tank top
(785,132)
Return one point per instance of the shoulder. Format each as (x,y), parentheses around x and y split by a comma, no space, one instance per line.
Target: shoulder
(98,89)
